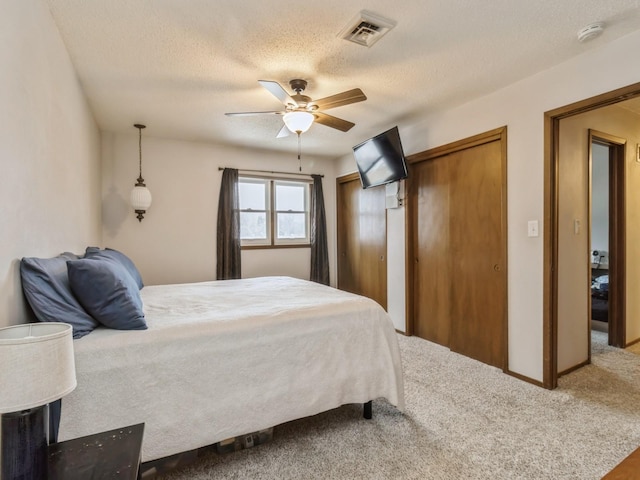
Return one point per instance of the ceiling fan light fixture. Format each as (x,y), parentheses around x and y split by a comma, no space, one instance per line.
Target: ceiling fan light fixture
(298,122)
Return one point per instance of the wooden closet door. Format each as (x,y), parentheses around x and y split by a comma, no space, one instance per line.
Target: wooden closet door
(432,273)
(478,283)
(362,239)
(457,219)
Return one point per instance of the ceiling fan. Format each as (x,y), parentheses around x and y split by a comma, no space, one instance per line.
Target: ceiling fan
(301,108)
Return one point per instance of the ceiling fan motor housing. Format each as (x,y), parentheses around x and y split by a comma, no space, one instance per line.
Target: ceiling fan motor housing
(298,85)
(302,101)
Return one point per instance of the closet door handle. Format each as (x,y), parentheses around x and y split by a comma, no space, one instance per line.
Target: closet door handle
(496,267)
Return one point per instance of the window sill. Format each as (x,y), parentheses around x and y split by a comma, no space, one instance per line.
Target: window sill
(266,247)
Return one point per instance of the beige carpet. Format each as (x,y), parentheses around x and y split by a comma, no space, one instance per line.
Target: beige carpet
(464,420)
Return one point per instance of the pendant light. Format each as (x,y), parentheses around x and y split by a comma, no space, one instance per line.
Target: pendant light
(140,195)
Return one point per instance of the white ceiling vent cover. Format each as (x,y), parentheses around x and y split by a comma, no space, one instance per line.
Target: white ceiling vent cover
(366,28)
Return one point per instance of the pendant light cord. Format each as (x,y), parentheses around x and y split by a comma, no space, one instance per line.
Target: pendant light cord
(140,179)
(140,151)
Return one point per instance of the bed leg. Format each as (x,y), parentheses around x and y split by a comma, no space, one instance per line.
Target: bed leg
(367,410)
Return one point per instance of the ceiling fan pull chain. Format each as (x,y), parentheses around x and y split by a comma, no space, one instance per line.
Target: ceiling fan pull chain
(299,160)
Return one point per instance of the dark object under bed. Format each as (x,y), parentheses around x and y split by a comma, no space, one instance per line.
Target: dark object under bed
(600,298)
(599,309)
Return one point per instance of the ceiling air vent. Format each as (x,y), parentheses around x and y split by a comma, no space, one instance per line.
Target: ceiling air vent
(366,28)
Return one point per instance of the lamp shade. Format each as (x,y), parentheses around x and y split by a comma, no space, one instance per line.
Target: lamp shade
(37,365)
(298,122)
(140,198)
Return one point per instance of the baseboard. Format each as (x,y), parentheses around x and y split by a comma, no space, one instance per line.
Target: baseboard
(574,368)
(524,378)
(637,340)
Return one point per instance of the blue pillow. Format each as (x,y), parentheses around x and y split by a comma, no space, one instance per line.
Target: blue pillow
(46,286)
(95,252)
(108,292)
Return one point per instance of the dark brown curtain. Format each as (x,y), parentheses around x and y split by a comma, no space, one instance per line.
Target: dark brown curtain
(228,229)
(319,250)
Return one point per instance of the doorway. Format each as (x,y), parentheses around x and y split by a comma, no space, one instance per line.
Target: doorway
(608,234)
(604,110)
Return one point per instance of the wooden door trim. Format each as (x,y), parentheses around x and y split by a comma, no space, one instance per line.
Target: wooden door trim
(617,235)
(498,134)
(349,177)
(408,262)
(618,337)
(490,136)
(550,231)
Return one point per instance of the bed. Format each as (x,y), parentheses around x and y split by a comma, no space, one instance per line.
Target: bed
(226,358)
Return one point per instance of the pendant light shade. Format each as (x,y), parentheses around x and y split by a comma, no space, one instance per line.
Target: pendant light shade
(298,122)
(140,197)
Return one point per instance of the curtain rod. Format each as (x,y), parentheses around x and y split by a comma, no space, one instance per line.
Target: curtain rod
(272,172)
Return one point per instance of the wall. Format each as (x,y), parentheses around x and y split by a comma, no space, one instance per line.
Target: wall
(176,241)
(396,272)
(49,151)
(600,201)
(521,108)
(573,249)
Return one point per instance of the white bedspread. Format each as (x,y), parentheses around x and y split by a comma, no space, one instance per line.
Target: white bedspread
(226,358)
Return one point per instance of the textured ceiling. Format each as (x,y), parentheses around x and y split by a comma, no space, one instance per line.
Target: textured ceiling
(179,65)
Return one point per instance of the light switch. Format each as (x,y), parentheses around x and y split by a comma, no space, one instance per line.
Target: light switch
(532,228)
(576,227)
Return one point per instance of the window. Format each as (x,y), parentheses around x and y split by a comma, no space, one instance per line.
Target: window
(273,212)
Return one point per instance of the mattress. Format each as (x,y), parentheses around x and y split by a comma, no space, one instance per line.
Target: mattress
(227,358)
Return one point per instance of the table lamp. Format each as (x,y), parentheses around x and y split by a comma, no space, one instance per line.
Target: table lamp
(36,368)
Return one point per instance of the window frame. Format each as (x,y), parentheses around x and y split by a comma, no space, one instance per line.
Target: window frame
(272,240)
(258,242)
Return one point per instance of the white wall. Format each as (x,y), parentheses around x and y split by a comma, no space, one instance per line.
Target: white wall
(521,108)
(396,271)
(600,201)
(176,241)
(49,151)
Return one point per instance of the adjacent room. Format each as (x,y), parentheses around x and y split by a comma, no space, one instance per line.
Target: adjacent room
(325,241)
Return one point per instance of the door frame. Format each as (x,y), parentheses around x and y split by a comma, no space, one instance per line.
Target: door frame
(498,134)
(617,234)
(550,236)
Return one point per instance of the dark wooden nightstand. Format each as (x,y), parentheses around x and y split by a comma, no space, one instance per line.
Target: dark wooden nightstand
(112,454)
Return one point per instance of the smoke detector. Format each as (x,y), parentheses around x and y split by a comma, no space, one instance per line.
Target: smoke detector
(590,31)
(366,28)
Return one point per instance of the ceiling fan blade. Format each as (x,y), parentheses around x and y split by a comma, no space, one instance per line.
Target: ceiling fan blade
(277,91)
(284,132)
(333,122)
(239,114)
(340,99)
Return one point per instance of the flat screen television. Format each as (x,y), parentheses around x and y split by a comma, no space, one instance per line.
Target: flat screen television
(380,159)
